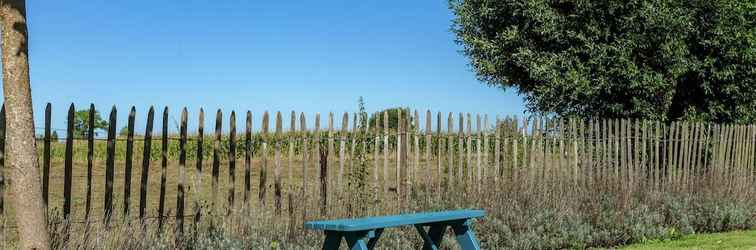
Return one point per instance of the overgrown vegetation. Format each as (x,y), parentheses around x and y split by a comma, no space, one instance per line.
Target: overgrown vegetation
(558,183)
(519,217)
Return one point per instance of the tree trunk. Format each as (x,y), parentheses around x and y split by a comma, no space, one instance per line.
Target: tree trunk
(21,149)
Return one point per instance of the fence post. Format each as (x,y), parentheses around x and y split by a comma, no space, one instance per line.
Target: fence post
(497,151)
(324,170)
(264,160)
(385,151)
(146,157)
(439,155)
(2,170)
(90,159)
(181,174)
(247,158)
(305,159)
(399,148)
(198,174)
(68,171)
(428,149)
(231,162)
(277,166)
(163,168)
(46,156)
(110,165)
(376,149)
(290,159)
(342,152)
(129,162)
(478,156)
(216,159)
(450,155)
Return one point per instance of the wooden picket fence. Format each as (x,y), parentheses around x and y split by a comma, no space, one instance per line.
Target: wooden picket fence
(567,153)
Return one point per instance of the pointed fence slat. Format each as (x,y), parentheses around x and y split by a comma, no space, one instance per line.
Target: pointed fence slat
(278,192)
(264,159)
(469,156)
(305,159)
(324,176)
(385,152)
(110,165)
(317,149)
(216,160)
(181,173)
(350,135)
(439,155)
(460,178)
(247,158)
(46,155)
(497,150)
(197,182)
(450,153)
(163,168)
(478,156)
(342,152)
(290,158)
(2,164)
(90,159)
(129,162)
(146,158)
(429,174)
(68,164)
(402,150)
(231,162)
(376,150)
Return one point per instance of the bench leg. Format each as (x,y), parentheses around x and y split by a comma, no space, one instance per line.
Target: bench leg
(332,241)
(465,236)
(356,240)
(433,237)
(436,234)
(374,240)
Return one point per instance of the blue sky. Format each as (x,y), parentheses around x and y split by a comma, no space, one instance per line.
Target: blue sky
(308,56)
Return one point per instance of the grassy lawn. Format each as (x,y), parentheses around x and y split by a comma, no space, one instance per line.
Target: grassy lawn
(733,240)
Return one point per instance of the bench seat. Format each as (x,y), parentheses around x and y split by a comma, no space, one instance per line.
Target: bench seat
(357,231)
(351,225)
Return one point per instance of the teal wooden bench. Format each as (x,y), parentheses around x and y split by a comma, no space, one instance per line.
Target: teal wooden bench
(363,233)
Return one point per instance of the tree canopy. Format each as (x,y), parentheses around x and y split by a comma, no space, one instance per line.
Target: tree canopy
(393,117)
(664,60)
(81,123)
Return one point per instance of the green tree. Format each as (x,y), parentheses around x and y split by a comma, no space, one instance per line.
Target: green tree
(81,123)
(393,117)
(665,60)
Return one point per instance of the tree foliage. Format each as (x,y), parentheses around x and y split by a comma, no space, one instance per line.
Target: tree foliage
(81,123)
(665,60)
(393,117)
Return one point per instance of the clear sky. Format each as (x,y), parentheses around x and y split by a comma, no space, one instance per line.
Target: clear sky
(308,56)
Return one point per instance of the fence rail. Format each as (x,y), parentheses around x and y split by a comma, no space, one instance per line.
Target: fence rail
(566,153)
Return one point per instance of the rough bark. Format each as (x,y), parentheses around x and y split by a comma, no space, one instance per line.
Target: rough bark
(21,150)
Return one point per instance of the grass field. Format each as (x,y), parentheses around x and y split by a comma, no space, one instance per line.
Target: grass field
(740,240)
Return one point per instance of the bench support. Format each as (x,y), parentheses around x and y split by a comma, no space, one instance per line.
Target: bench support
(433,237)
(332,241)
(465,236)
(355,240)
